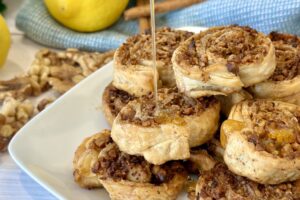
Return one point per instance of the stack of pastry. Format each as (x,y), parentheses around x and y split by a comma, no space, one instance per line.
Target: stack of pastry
(155,143)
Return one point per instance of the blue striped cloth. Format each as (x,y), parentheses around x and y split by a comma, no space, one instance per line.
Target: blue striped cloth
(264,15)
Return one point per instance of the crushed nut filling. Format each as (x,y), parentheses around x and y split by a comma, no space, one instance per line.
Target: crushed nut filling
(287,50)
(117,165)
(172,106)
(116,99)
(274,130)
(138,48)
(233,46)
(220,183)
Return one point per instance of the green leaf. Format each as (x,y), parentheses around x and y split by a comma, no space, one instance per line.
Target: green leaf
(2,7)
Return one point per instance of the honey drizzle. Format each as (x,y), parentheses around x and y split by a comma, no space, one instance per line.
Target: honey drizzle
(152,12)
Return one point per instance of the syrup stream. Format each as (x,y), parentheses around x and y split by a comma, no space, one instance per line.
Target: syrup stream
(152,12)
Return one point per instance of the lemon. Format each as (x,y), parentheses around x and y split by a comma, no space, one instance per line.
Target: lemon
(86,15)
(4,41)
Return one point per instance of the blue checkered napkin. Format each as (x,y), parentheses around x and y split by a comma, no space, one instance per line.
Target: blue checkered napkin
(264,15)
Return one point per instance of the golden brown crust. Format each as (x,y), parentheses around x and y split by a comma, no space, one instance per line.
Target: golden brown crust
(261,140)
(166,133)
(85,157)
(221,60)
(113,100)
(220,183)
(284,84)
(133,70)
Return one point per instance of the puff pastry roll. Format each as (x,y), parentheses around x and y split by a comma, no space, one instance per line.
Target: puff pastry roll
(222,60)
(113,100)
(284,84)
(131,177)
(220,183)
(133,68)
(262,141)
(86,156)
(166,133)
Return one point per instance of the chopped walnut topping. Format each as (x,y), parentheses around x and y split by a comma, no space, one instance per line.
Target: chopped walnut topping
(61,71)
(14,114)
(274,130)
(233,45)
(172,105)
(117,165)
(220,183)
(138,47)
(287,51)
(44,103)
(116,99)
(18,88)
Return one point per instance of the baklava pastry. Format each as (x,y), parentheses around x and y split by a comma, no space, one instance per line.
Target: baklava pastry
(222,60)
(284,84)
(113,100)
(262,142)
(86,156)
(133,66)
(168,130)
(131,177)
(220,183)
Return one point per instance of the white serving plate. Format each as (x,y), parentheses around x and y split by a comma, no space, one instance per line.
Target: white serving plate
(44,147)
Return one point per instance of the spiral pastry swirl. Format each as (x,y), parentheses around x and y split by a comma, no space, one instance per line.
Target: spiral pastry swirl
(165,132)
(222,60)
(284,84)
(221,183)
(262,141)
(133,67)
(132,177)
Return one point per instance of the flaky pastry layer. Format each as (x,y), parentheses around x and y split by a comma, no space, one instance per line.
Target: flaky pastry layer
(222,60)
(261,140)
(284,84)
(133,67)
(166,133)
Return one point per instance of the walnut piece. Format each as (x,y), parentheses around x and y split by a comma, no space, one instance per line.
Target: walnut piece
(14,114)
(18,88)
(57,70)
(44,103)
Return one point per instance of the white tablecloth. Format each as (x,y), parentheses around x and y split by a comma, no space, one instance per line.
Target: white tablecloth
(14,183)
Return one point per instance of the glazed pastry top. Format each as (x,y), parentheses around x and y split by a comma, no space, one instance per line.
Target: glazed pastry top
(274,127)
(173,106)
(231,45)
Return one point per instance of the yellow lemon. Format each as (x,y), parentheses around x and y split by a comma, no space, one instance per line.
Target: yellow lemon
(86,15)
(4,41)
